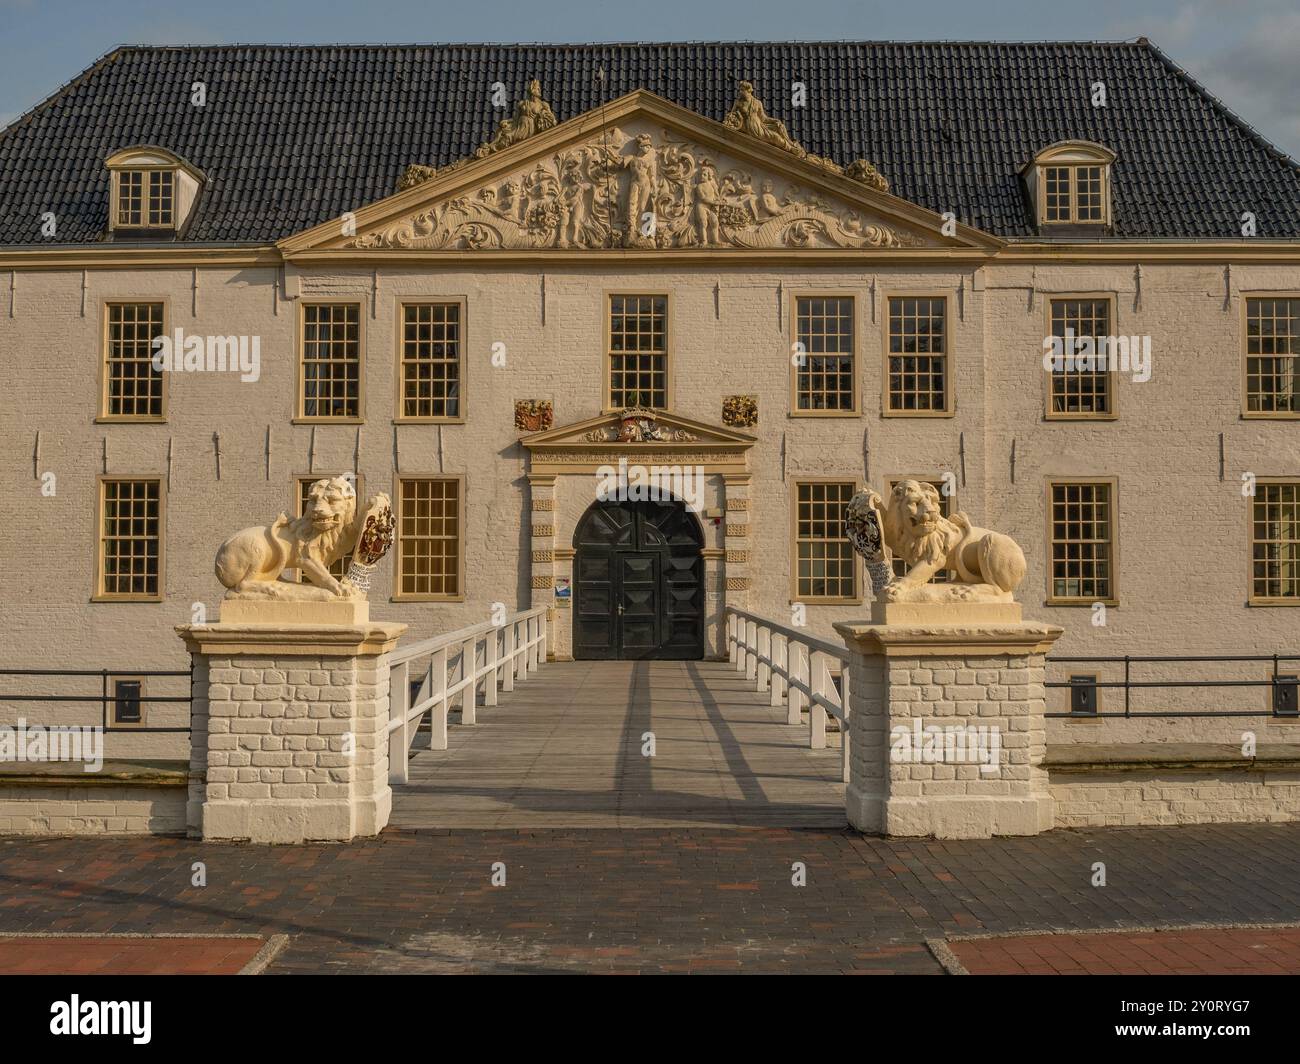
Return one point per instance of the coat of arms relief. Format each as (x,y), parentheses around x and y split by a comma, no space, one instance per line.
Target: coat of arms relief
(638,188)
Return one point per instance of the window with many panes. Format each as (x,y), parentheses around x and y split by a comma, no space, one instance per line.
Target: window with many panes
(331,361)
(429,537)
(146,199)
(1275,542)
(824,355)
(918,355)
(1074,194)
(1273,355)
(431,366)
(1083,544)
(130,538)
(133,386)
(638,351)
(825,565)
(1081,388)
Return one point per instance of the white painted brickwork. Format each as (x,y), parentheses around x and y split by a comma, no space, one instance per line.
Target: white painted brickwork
(1183,533)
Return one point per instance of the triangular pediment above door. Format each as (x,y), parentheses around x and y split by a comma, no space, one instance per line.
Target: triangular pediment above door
(641,174)
(638,436)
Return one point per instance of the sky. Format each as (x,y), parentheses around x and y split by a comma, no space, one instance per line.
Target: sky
(1243,51)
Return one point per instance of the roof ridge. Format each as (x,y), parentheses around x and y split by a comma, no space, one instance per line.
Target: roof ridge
(936,42)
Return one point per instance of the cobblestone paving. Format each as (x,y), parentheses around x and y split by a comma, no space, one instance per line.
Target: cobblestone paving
(649,900)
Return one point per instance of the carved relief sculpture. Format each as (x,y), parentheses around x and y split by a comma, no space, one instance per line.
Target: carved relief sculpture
(251,563)
(989,566)
(644,191)
(533,415)
(636,425)
(740,411)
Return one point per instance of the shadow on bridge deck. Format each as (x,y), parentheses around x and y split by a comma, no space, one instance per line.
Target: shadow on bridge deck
(564,750)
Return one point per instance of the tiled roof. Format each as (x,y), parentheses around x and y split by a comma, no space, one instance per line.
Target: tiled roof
(291,136)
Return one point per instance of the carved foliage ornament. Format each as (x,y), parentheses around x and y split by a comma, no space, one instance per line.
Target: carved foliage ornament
(624,191)
(534,415)
(740,411)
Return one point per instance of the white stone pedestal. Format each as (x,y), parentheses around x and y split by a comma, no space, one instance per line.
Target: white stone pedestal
(289,727)
(946,722)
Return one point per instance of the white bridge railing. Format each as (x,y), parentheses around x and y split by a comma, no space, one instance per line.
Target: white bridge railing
(798,669)
(454,666)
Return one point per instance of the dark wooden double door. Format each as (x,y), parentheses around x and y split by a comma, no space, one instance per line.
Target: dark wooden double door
(639,582)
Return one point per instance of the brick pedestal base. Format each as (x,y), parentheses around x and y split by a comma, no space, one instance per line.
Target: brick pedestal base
(289,731)
(947,729)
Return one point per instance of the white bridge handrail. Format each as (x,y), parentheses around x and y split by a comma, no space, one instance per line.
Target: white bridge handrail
(493,655)
(798,670)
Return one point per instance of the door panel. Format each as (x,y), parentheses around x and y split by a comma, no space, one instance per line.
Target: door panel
(638,595)
(593,610)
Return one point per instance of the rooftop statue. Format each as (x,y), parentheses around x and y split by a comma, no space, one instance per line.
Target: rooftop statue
(251,563)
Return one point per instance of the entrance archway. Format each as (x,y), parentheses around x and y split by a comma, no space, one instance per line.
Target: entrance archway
(638,582)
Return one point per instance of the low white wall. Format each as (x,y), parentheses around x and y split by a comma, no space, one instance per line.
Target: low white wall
(1175,796)
(98,809)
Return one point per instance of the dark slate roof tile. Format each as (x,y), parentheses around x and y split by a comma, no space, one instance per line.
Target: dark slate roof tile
(292,136)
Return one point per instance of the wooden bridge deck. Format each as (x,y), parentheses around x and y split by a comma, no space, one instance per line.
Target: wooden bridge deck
(564,750)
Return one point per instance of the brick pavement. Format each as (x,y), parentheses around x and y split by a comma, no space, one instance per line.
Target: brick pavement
(113,955)
(648,900)
(1235,951)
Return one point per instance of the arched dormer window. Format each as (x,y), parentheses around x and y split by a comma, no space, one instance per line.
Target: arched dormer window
(1069,184)
(152,193)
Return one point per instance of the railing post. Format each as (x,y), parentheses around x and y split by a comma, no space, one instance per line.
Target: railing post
(845,730)
(781,657)
(508,652)
(530,659)
(491,677)
(438,691)
(468,694)
(822,687)
(764,676)
(544,637)
(751,650)
(399,709)
(798,674)
(731,638)
(739,657)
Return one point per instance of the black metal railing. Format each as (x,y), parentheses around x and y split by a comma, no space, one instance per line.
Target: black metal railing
(108,694)
(1283,703)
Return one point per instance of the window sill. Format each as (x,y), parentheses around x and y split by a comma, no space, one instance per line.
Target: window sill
(123,419)
(327,421)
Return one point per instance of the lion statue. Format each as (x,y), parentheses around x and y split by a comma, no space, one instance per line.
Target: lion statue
(251,562)
(989,566)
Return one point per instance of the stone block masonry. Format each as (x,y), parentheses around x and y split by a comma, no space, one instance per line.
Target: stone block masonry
(947,729)
(290,731)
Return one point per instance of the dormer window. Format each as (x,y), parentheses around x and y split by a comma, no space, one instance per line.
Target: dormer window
(153,192)
(144,199)
(1069,184)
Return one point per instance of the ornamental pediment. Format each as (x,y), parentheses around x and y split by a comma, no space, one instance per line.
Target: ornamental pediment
(637,435)
(642,174)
